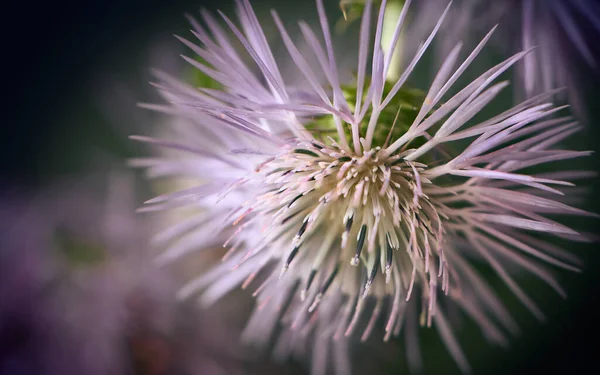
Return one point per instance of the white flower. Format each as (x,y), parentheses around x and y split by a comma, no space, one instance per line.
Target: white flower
(561,32)
(343,203)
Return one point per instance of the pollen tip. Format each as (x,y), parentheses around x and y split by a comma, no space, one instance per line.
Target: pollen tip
(367,290)
(315,303)
(283,270)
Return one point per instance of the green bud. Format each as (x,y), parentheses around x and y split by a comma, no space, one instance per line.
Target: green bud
(394,120)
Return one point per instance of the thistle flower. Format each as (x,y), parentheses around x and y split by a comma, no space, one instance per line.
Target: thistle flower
(562,33)
(551,24)
(345,203)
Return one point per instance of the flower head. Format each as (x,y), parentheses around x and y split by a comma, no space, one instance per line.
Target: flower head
(343,203)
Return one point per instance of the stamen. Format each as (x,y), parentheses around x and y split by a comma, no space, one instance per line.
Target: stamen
(295,199)
(306,152)
(388,259)
(359,244)
(372,274)
(309,280)
(302,228)
(324,288)
(290,257)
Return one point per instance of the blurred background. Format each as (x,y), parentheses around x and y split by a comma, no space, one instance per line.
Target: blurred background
(80,296)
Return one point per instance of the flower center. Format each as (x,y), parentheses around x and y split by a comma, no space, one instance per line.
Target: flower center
(324,210)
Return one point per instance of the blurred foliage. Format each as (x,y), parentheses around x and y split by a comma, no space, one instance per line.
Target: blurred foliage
(78,251)
(352,11)
(198,78)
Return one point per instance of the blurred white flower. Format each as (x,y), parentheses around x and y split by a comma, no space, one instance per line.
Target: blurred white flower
(343,203)
(562,32)
(77,276)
